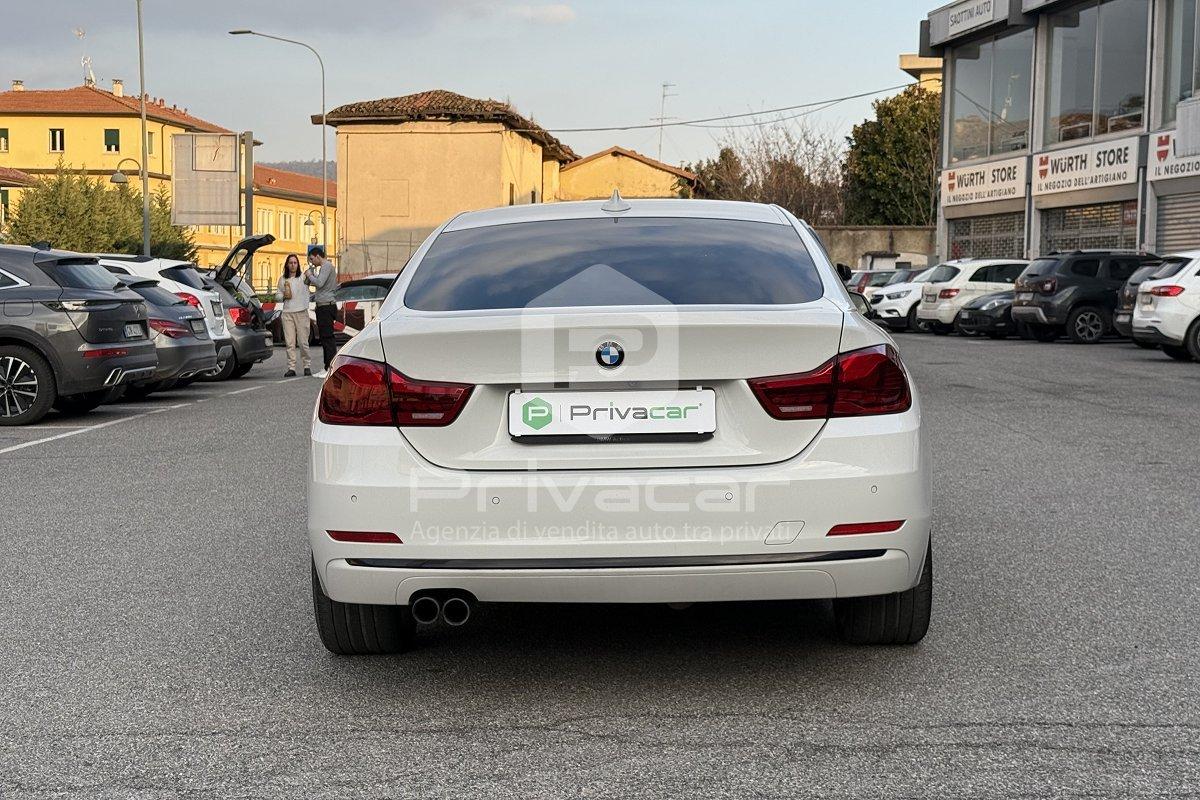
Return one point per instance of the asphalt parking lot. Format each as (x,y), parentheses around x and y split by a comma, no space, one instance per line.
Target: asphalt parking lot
(159,642)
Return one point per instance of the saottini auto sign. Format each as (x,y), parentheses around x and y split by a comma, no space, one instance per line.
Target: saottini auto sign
(609,413)
(1088,167)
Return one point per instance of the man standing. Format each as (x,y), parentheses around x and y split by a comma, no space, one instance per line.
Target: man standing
(322,276)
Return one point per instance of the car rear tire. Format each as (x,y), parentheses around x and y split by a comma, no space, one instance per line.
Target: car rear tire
(23,371)
(73,405)
(897,618)
(1087,325)
(1192,340)
(914,324)
(241,370)
(1177,352)
(1044,333)
(359,629)
(223,371)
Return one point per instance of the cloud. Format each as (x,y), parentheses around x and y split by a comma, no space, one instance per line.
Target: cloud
(549,14)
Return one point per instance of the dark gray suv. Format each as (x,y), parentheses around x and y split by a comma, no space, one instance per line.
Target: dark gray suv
(69,334)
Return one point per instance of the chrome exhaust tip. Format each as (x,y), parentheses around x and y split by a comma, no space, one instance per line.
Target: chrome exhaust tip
(114,377)
(425,610)
(456,611)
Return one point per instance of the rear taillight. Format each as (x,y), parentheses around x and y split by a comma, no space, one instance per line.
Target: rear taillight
(854,528)
(189,298)
(855,384)
(1048,286)
(240,316)
(106,352)
(170,328)
(365,537)
(1166,291)
(363,392)
(946,294)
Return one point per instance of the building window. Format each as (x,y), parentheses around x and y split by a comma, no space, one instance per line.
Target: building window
(512,195)
(286,227)
(3,206)
(112,140)
(990,96)
(266,221)
(58,140)
(150,142)
(1097,70)
(3,140)
(1181,78)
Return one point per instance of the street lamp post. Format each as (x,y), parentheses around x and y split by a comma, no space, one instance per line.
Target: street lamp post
(308,223)
(324,159)
(145,165)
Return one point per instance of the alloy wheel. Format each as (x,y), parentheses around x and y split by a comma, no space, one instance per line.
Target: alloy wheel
(1089,326)
(18,386)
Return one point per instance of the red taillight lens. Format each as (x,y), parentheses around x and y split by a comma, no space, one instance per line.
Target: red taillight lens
(1166,291)
(365,537)
(240,316)
(946,294)
(106,352)
(855,384)
(191,299)
(363,392)
(1048,286)
(170,328)
(851,528)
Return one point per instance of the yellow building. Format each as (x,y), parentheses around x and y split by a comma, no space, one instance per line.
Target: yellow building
(98,131)
(594,177)
(407,164)
(927,71)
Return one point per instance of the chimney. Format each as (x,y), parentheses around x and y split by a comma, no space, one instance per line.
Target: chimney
(118,87)
(18,86)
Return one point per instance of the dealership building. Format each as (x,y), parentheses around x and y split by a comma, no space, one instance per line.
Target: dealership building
(1068,125)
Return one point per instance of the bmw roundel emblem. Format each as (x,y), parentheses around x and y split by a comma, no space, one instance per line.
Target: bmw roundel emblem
(610,354)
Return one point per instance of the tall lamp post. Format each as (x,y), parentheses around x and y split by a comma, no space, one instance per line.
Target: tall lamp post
(145,145)
(324,159)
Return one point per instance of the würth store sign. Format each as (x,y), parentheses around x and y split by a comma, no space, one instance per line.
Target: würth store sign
(1165,164)
(999,180)
(1090,167)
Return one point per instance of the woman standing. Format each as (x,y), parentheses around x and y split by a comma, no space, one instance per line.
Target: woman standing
(293,293)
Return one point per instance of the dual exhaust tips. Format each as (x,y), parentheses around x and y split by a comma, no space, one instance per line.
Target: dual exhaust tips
(427,609)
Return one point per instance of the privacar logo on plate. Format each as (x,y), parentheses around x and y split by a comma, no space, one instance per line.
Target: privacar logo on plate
(537,413)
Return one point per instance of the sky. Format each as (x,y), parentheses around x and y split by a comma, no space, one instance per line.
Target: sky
(571,64)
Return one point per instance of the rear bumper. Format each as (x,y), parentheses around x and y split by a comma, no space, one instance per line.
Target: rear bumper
(1123,321)
(86,374)
(252,346)
(942,312)
(691,535)
(183,358)
(983,322)
(1035,315)
(1154,335)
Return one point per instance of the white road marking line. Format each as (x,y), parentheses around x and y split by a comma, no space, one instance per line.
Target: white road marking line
(242,391)
(78,431)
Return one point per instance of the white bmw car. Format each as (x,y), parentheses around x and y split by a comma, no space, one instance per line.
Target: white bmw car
(652,401)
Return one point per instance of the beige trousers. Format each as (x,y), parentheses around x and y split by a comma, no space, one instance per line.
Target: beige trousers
(295,331)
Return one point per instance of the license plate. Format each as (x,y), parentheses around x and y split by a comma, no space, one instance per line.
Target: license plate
(690,411)
(1024,297)
(197,326)
(270,342)
(134,331)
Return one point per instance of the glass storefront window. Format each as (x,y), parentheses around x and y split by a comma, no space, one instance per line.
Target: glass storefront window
(1181,76)
(990,96)
(1097,69)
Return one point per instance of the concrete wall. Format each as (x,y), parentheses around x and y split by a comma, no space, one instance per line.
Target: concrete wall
(396,183)
(595,180)
(520,170)
(849,244)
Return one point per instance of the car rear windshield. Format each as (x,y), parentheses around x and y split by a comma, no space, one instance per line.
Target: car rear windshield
(939,274)
(156,295)
(80,274)
(880,279)
(1169,268)
(185,274)
(1041,266)
(1144,273)
(604,262)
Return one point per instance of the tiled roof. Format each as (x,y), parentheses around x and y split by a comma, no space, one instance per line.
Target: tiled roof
(82,100)
(271,179)
(682,173)
(14,177)
(439,104)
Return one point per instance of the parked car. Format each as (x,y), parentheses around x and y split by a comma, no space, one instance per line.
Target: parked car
(248,323)
(182,279)
(897,276)
(180,338)
(942,300)
(805,427)
(1074,292)
(990,315)
(358,302)
(1168,309)
(896,306)
(870,279)
(1123,317)
(70,334)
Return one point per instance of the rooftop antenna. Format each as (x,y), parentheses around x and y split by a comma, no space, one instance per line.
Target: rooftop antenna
(89,77)
(662,114)
(615,204)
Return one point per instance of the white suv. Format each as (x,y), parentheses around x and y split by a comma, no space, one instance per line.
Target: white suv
(971,279)
(653,401)
(1167,311)
(896,305)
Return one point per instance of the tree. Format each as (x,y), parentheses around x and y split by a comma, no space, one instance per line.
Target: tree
(890,172)
(73,211)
